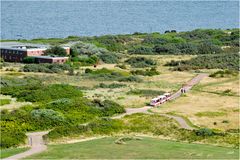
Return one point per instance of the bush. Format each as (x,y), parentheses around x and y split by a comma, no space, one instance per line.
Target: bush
(12,138)
(141,50)
(109,58)
(130,79)
(208,48)
(29,60)
(219,61)
(109,108)
(166,49)
(47,68)
(147,72)
(41,93)
(48,115)
(224,73)
(56,50)
(113,85)
(205,132)
(122,66)
(140,62)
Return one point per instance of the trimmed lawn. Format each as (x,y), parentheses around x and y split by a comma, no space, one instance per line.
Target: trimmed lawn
(147,148)
(11,151)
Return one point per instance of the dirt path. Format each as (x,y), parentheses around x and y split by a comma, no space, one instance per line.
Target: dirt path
(189,85)
(35,141)
(181,121)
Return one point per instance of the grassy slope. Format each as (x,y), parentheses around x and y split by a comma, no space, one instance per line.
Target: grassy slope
(12,151)
(135,149)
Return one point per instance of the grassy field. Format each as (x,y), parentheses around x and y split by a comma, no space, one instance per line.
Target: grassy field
(167,81)
(11,151)
(207,105)
(146,148)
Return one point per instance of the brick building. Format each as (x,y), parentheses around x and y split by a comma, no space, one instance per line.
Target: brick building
(16,52)
(48,59)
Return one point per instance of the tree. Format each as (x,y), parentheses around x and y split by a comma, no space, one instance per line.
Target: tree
(56,50)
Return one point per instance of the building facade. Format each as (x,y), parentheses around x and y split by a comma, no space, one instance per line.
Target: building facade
(48,59)
(16,53)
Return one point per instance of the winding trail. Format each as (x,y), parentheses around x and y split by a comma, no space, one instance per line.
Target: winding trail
(181,121)
(36,142)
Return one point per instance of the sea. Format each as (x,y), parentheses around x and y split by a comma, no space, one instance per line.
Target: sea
(57,19)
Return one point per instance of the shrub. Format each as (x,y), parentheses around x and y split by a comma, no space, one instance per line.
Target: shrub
(208,48)
(42,93)
(130,79)
(140,62)
(48,68)
(87,70)
(205,132)
(141,50)
(109,108)
(166,49)
(220,61)
(147,72)
(224,73)
(12,138)
(56,50)
(48,115)
(122,66)
(113,85)
(29,60)
(109,58)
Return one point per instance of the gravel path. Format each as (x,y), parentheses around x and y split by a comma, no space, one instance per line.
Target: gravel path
(181,121)
(36,143)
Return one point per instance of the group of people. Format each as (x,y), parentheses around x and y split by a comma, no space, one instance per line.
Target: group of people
(183,90)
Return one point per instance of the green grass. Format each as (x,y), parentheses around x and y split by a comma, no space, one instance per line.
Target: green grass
(147,148)
(4,101)
(11,151)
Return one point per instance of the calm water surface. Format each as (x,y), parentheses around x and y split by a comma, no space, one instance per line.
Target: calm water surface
(25,19)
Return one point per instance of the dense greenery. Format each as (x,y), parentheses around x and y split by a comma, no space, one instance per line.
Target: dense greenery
(91,50)
(147,72)
(140,62)
(197,41)
(57,105)
(112,85)
(29,60)
(40,92)
(56,51)
(107,74)
(47,68)
(220,61)
(224,73)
